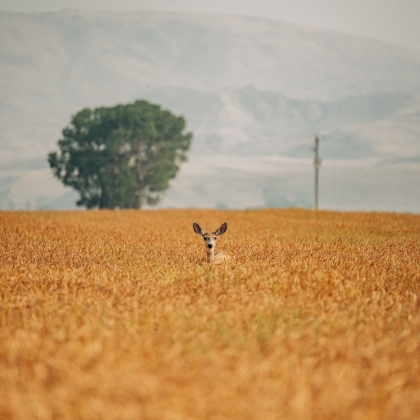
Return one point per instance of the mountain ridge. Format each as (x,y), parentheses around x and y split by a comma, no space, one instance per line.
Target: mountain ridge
(206,15)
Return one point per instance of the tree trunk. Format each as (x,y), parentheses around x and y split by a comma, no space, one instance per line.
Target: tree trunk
(104,200)
(140,193)
(139,199)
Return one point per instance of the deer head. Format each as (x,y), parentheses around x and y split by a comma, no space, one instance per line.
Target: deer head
(210,237)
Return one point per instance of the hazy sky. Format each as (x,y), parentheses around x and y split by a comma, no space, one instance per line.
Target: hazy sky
(395,21)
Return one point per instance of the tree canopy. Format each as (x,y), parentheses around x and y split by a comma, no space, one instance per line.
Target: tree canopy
(122,156)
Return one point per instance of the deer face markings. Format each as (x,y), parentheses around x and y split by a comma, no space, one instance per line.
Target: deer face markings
(210,240)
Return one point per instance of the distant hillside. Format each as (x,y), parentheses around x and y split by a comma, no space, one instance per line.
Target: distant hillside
(252,89)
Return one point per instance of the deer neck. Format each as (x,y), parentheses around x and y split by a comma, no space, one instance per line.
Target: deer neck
(210,255)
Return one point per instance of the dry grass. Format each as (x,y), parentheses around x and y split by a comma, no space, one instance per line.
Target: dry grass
(114,315)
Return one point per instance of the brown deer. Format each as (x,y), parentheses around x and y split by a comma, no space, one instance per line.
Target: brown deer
(210,243)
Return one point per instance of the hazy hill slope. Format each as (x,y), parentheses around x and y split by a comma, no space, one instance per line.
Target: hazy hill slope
(248,87)
(204,50)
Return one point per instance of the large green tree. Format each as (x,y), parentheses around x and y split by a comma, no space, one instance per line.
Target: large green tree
(122,156)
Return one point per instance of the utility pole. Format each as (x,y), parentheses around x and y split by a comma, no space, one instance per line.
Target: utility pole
(317,164)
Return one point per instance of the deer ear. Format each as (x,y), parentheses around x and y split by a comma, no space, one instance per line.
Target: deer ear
(222,229)
(197,229)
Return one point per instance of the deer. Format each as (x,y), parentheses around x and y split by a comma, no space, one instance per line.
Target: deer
(210,243)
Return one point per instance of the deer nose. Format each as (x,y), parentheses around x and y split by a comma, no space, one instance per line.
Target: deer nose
(210,246)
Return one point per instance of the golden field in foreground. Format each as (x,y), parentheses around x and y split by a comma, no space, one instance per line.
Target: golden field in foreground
(116,315)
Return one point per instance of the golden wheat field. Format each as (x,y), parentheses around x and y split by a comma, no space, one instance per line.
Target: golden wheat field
(116,315)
